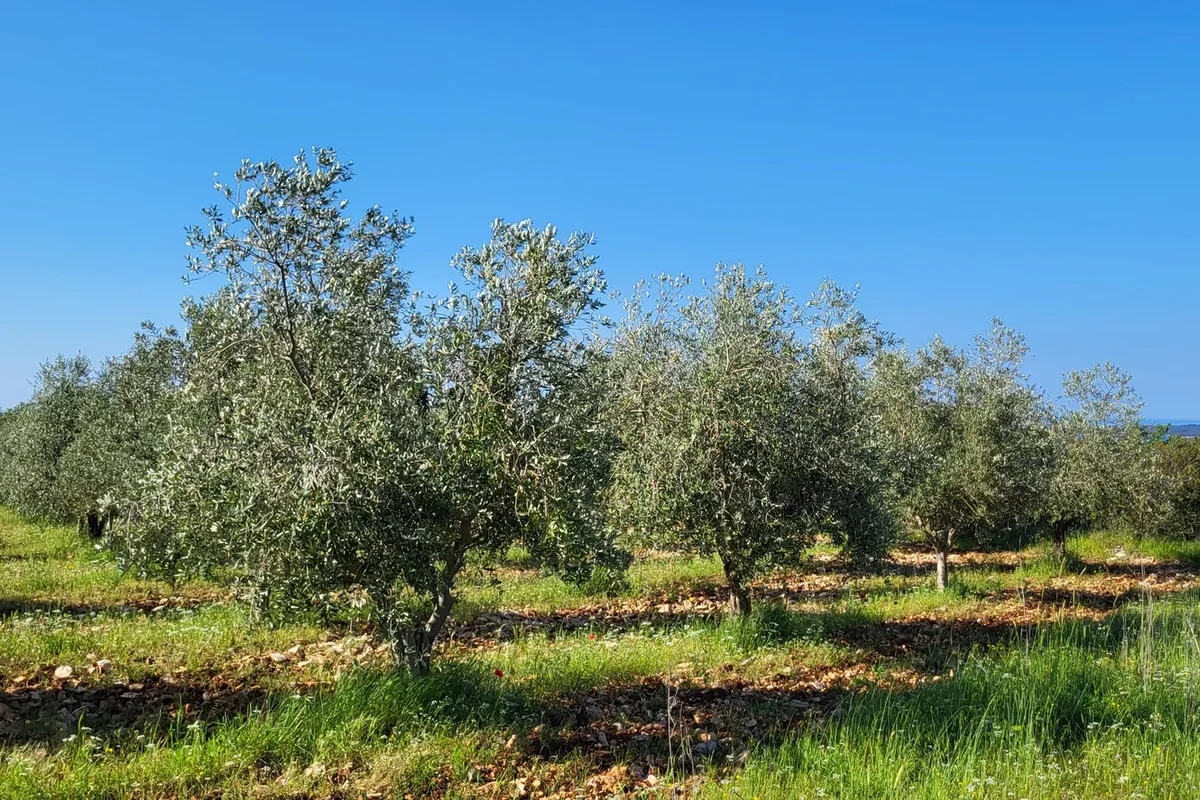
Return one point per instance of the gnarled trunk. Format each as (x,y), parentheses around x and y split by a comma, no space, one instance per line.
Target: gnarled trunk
(411,642)
(413,647)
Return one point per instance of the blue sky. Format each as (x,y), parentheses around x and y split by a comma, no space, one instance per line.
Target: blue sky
(1034,161)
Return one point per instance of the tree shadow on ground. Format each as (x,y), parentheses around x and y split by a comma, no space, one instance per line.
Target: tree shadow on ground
(6,558)
(1051,598)
(719,717)
(501,626)
(49,713)
(44,710)
(624,717)
(25,606)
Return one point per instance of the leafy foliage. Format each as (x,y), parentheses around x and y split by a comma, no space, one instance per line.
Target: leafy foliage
(39,436)
(727,418)
(1105,467)
(843,430)
(1180,461)
(134,396)
(332,437)
(968,437)
(282,459)
(511,443)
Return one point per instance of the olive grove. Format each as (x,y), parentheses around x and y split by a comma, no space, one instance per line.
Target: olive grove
(317,430)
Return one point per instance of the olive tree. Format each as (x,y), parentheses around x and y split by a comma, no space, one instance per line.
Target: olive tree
(968,439)
(1101,455)
(332,436)
(35,478)
(1179,458)
(288,448)
(12,420)
(512,444)
(119,443)
(842,429)
(727,416)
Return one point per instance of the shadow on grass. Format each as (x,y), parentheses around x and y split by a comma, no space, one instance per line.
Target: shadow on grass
(6,558)
(165,708)
(1077,598)
(607,722)
(934,646)
(1070,682)
(157,708)
(24,606)
(1050,680)
(849,624)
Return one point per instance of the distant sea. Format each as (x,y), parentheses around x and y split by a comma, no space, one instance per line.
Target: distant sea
(1178,427)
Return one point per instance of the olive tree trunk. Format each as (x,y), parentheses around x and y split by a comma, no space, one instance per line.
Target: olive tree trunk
(413,646)
(410,640)
(943,541)
(738,604)
(94,524)
(943,569)
(1058,534)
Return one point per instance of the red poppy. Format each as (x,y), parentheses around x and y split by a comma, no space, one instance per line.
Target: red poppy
(499,673)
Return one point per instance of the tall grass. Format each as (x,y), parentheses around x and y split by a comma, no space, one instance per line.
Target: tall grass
(1078,711)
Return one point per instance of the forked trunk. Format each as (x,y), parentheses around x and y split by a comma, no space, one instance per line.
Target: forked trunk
(412,642)
(93,524)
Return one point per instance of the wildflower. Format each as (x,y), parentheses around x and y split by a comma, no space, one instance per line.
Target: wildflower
(499,672)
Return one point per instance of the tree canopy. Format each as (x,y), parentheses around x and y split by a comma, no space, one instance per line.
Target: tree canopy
(740,437)
(333,436)
(968,438)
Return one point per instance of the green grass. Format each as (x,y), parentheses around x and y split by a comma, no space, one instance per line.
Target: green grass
(51,567)
(140,644)
(1072,709)
(519,586)
(1082,711)
(380,720)
(1102,546)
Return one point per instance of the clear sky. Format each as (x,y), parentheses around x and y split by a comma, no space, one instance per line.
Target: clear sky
(1035,161)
